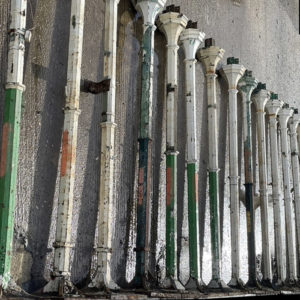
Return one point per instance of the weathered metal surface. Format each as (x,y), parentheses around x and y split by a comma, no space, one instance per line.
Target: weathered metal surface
(260,99)
(233,73)
(191,39)
(11,135)
(103,279)
(149,11)
(171,24)
(62,245)
(246,86)
(273,106)
(293,125)
(210,57)
(284,115)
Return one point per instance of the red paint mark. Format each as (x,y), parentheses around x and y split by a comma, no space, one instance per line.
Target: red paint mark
(196,188)
(169,185)
(64,154)
(141,186)
(5,136)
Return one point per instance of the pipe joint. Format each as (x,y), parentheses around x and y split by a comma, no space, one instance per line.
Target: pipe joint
(103,250)
(15,85)
(60,244)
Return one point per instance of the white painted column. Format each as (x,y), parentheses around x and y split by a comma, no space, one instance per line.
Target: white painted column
(284,115)
(210,57)
(260,99)
(233,72)
(61,272)
(273,106)
(293,125)
(191,39)
(103,279)
(171,23)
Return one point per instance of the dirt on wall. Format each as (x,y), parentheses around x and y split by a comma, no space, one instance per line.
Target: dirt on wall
(262,33)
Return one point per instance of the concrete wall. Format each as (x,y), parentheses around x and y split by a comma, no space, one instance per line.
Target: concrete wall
(264,34)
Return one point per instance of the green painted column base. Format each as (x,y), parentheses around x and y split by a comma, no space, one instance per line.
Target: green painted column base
(193,219)
(8,175)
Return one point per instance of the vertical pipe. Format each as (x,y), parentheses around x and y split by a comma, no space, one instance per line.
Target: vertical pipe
(103,279)
(284,115)
(246,86)
(261,98)
(61,271)
(233,72)
(149,10)
(210,57)
(294,123)
(273,106)
(11,134)
(171,23)
(191,39)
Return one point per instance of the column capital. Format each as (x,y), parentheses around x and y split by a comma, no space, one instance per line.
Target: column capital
(191,39)
(284,115)
(247,83)
(273,107)
(149,9)
(172,24)
(232,74)
(210,57)
(294,123)
(260,99)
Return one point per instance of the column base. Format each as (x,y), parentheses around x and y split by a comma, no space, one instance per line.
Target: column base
(11,289)
(236,283)
(290,282)
(142,282)
(99,282)
(172,283)
(61,286)
(194,284)
(267,283)
(253,283)
(278,284)
(218,284)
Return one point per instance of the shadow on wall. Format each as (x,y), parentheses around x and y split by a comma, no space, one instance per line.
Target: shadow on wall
(49,148)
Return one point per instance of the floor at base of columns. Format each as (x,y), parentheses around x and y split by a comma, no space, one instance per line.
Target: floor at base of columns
(157,294)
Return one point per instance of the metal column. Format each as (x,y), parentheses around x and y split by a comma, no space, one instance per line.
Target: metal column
(171,23)
(284,115)
(149,10)
(11,134)
(103,278)
(233,73)
(246,86)
(293,125)
(191,39)
(261,98)
(210,57)
(61,271)
(273,106)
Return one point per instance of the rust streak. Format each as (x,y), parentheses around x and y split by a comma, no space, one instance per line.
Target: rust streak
(4,149)
(64,155)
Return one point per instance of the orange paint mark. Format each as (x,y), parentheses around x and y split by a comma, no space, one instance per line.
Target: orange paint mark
(64,154)
(5,135)
(141,186)
(169,185)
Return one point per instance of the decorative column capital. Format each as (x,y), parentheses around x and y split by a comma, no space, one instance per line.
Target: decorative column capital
(285,113)
(210,56)
(294,122)
(273,106)
(191,38)
(172,24)
(233,72)
(149,9)
(247,83)
(260,97)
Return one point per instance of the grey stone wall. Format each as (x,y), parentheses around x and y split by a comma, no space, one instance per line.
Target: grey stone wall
(264,34)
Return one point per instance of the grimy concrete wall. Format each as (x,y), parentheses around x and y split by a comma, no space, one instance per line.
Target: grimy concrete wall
(264,34)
